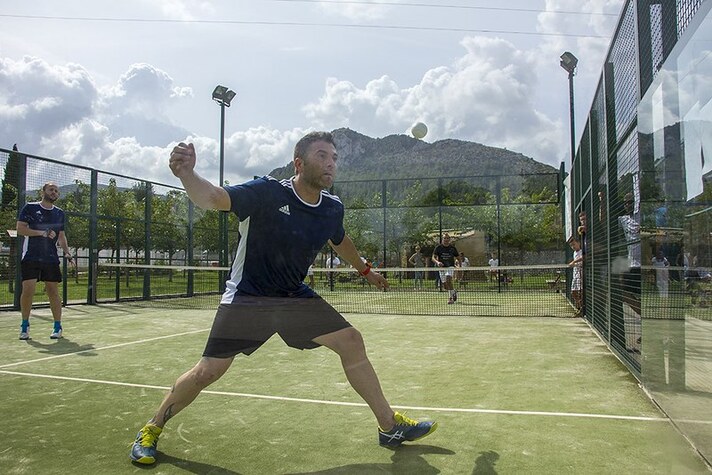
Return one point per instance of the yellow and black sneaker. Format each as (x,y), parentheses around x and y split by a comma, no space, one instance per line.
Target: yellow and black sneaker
(143,449)
(405,430)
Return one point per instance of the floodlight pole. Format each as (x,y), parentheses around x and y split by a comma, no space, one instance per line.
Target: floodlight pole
(222,219)
(571,117)
(222,143)
(568,63)
(222,95)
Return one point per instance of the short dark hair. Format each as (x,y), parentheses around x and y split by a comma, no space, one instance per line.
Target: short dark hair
(300,150)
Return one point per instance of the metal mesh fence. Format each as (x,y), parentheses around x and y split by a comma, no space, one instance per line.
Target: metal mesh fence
(648,202)
(126,220)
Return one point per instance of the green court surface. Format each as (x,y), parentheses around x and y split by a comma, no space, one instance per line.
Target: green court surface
(511,396)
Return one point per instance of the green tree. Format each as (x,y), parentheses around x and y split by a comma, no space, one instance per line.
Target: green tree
(168,227)
(119,214)
(458,192)
(76,206)
(205,231)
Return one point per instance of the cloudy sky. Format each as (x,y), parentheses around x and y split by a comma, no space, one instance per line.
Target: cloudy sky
(114,85)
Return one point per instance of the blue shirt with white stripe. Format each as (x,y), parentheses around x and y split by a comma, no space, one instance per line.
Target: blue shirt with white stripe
(280,236)
(41,248)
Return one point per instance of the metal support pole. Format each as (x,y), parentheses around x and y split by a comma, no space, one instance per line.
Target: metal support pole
(571,117)
(222,217)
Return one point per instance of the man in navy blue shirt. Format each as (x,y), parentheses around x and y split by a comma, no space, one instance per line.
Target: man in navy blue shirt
(445,255)
(283,225)
(42,225)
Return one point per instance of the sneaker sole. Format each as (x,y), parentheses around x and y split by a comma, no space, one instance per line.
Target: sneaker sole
(144,460)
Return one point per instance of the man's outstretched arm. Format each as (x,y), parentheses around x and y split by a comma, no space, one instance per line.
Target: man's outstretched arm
(200,191)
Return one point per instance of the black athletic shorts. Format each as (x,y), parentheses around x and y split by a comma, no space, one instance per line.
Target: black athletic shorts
(244,326)
(41,271)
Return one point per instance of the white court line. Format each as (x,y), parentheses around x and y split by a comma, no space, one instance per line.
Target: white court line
(357,404)
(118,345)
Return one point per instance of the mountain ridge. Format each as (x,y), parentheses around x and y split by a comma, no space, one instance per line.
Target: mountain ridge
(401,156)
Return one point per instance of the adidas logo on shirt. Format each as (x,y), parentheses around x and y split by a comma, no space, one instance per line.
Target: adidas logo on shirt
(284,209)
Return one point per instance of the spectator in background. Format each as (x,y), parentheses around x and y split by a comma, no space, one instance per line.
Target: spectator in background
(464,260)
(310,275)
(582,231)
(576,277)
(462,272)
(630,275)
(661,265)
(417,260)
(493,263)
(332,263)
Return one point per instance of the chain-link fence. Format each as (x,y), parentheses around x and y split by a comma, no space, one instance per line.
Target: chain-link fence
(641,182)
(116,219)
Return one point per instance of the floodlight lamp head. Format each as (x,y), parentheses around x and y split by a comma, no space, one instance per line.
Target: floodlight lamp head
(219,92)
(229,96)
(223,95)
(569,62)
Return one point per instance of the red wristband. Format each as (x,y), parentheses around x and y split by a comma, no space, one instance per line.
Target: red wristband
(365,271)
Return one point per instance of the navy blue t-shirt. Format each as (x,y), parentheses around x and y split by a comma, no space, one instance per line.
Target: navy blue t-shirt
(40,248)
(446,254)
(280,236)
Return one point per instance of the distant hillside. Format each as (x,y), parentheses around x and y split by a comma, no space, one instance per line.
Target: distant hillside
(401,156)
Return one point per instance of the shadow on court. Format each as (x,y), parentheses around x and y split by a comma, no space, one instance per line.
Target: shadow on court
(406,459)
(62,346)
(485,463)
(189,466)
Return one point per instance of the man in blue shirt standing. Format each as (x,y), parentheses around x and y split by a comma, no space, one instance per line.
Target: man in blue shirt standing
(283,226)
(42,225)
(445,255)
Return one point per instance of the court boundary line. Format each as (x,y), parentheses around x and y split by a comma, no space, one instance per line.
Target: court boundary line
(118,345)
(358,404)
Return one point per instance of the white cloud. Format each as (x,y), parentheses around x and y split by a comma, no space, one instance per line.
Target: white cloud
(145,90)
(40,99)
(591,20)
(492,93)
(486,96)
(257,151)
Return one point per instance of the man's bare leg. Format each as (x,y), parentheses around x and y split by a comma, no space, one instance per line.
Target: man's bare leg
(26,297)
(394,428)
(348,344)
(188,386)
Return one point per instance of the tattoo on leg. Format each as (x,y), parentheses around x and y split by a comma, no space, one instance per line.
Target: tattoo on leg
(168,413)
